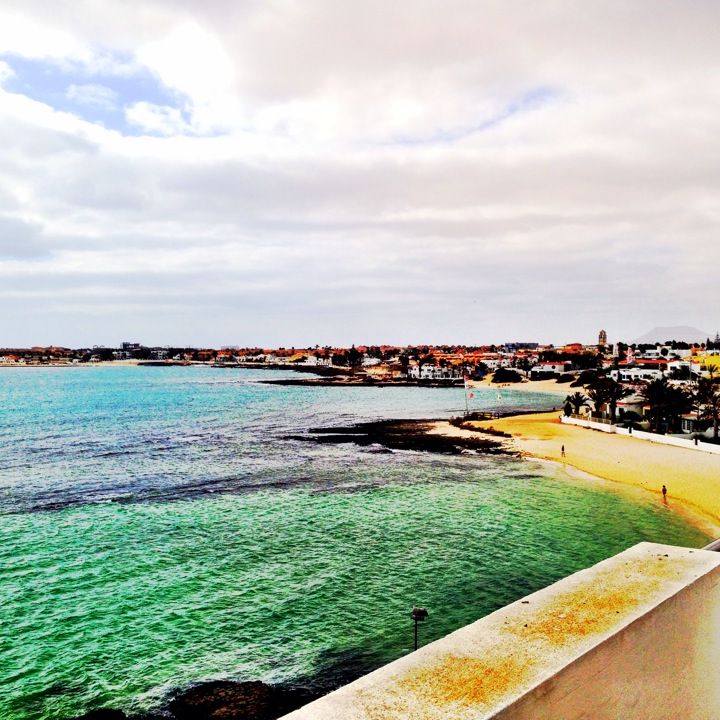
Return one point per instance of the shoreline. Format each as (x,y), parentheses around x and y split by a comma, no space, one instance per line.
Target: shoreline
(693,479)
(693,516)
(548,386)
(326,376)
(416,435)
(350,381)
(502,436)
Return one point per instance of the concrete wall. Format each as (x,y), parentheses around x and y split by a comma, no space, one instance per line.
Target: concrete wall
(602,427)
(642,435)
(661,667)
(636,637)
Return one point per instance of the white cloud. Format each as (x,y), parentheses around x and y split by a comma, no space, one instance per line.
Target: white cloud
(157,119)
(92,94)
(6,72)
(193,62)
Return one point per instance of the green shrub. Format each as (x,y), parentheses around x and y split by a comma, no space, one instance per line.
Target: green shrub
(506,375)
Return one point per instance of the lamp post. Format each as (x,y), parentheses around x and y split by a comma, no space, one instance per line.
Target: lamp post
(418,615)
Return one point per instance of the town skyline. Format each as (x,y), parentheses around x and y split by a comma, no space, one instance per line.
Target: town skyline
(657,335)
(128,350)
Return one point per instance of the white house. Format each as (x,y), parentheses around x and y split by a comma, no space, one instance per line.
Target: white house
(633,403)
(433,372)
(549,369)
(496,361)
(683,368)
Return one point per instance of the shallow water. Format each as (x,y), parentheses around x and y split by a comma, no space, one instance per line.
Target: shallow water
(156,531)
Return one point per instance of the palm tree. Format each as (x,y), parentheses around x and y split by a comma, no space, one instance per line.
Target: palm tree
(599,395)
(616,392)
(654,394)
(577,400)
(667,403)
(679,402)
(707,398)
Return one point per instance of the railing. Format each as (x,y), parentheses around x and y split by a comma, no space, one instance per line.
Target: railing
(590,418)
(593,423)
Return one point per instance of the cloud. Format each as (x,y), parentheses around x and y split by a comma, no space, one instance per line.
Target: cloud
(19,239)
(193,62)
(6,72)
(156,119)
(92,94)
(30,34)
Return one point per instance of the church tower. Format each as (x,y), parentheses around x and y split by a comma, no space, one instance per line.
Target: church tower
(602,339)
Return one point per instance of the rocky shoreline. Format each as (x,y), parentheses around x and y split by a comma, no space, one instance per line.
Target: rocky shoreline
(357,381)
(407,435)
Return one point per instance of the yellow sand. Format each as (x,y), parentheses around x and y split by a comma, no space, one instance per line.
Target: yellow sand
(692,477)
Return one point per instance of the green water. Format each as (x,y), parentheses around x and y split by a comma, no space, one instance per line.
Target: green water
(118,604)
(157,530)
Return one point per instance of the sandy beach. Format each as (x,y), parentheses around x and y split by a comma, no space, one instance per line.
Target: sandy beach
(692,477)
(550,387)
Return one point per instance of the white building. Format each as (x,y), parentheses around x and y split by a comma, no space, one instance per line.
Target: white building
(631,375)
(549,369)
(433,372)
(497,361)
(683,368)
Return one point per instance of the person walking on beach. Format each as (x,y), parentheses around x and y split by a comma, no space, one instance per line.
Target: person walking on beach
(664,492)
(562,453)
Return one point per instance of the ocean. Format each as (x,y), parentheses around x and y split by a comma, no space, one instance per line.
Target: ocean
(157,530)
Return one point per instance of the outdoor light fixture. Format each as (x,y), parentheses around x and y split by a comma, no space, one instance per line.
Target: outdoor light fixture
(418,615)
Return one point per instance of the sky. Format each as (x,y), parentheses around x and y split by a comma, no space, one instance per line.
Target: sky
(301,172)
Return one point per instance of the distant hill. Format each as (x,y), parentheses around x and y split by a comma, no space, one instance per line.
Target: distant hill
(681,333)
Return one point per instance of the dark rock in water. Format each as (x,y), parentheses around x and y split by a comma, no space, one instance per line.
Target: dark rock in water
(222,700)
(404,435)
(227,700)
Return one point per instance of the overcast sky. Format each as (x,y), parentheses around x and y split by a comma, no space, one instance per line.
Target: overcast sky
(293,172)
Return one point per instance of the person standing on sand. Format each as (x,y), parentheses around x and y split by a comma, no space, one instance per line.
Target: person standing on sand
(664,492)
(562,453)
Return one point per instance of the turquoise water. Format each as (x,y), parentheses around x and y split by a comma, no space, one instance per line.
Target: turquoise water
(155,531)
